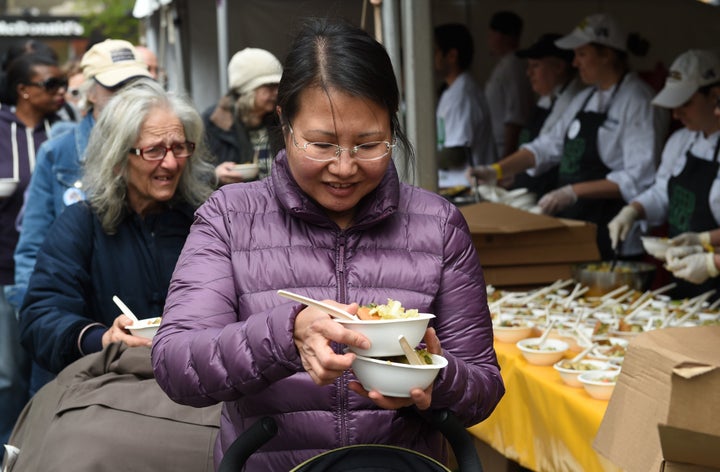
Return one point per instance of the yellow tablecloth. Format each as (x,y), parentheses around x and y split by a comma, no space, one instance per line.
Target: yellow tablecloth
(541,423)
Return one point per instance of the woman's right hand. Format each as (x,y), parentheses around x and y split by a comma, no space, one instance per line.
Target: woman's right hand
(313,333)
(226,175)
(118,333)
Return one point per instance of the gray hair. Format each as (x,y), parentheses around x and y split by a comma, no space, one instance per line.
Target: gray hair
(245,105)
(117,130)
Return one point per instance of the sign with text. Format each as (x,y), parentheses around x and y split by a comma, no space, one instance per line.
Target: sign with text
(41,27)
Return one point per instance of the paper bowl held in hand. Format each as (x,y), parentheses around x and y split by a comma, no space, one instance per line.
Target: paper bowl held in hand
(383,334)
(248,171)
(145,328)
(394,379)
(569,372)
(552,350)
(7,187)
(655,246)
(599,385)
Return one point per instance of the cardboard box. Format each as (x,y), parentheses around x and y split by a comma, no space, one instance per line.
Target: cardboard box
(688,451)
(517,247)
(667,399)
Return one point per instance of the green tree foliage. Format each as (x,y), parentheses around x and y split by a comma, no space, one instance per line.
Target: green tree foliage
(111,19)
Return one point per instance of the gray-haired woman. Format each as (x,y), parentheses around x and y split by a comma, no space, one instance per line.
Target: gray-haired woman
(145,174)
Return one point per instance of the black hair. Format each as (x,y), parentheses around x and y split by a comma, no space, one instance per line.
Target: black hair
(706,89)
(330,53)
(20,71)
(456,36)
(508,23)
(637,45)
(31,46)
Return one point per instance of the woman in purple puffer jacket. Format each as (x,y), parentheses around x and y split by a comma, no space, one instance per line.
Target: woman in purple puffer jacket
(332,222)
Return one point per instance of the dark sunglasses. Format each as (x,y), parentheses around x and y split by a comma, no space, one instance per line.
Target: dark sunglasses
(51,84)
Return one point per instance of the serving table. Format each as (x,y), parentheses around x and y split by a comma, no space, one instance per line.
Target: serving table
(541,423)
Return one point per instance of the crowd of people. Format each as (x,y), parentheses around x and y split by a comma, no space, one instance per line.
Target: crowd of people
(120,202)
(130,191)
(596,145)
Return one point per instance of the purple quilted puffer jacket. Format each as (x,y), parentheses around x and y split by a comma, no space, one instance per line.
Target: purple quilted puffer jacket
(226,336)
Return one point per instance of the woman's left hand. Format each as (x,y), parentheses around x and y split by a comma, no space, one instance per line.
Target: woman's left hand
(418,397)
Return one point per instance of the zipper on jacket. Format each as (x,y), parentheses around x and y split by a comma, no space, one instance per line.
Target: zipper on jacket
(340,268)
(342,295)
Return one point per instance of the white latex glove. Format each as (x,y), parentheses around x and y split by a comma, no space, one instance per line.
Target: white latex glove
(678,252)
(484,175)
(696,268)
(691,239)
(557,200)
(621,224)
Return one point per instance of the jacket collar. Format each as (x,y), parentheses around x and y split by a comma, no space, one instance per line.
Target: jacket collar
(374,207)
(82,134)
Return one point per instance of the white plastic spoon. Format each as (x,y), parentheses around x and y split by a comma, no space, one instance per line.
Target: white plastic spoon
(125,310)
(584,353)
(545,335)
(331,310)
(412,356)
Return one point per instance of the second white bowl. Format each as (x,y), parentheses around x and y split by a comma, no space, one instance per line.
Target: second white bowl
(393,379)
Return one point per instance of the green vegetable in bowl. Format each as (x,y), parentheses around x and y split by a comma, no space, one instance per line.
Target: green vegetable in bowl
(423,353)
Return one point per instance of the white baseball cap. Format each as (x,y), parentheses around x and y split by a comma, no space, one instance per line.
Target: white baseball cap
(600,29)
(112,63)
(690,71)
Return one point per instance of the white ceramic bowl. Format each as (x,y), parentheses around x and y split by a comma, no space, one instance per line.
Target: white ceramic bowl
(655,246)
(393,379)
(248,171)
(570,376)
(145,328)
(383,334)
(7,187)
(599,384)
(553,350)
(515,329)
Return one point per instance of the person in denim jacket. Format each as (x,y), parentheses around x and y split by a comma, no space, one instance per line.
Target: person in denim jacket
(108,67)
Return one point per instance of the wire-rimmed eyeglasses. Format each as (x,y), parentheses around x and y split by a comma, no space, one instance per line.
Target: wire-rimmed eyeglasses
(326,152)
(158,152)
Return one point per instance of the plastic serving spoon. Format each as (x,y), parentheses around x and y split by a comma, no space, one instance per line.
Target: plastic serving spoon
(123,307)
(331,310)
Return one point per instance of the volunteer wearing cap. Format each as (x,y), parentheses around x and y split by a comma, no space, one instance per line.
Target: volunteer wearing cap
(686,192)
(108,67)
(462,115)
(607,140)
(507,90)
(236,128)
(554,79)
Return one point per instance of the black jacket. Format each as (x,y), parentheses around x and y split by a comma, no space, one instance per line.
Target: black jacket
(80,267)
